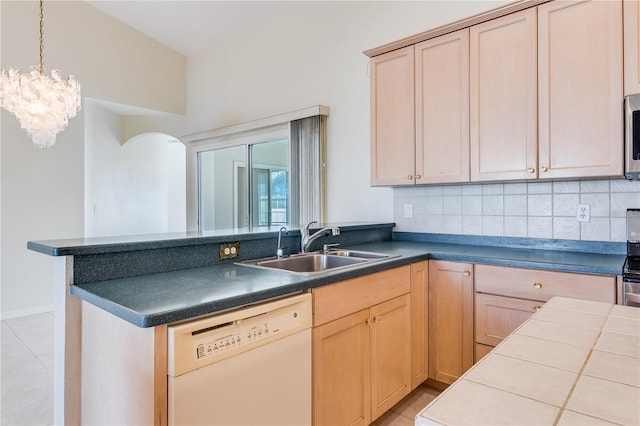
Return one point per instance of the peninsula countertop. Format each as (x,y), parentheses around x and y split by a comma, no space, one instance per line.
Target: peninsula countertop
(573,362)
(160,298)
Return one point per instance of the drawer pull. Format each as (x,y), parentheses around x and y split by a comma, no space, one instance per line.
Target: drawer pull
(537,308)
(537,285)
(466,273)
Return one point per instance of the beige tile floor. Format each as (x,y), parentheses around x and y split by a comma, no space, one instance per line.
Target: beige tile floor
(404,412)
(26,370)
(26,377)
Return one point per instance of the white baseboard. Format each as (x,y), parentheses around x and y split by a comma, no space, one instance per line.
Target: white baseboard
(25,312)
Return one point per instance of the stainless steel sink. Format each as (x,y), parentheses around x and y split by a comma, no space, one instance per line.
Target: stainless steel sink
(358,254)
(310,263)
(315,263)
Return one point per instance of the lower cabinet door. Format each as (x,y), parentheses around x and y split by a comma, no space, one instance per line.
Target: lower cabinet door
(450,320)
(497,316)
(362,364)
(419,323)
(341,371)
(390,354)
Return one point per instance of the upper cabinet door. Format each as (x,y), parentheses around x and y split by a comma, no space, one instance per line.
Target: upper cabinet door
(503,98)
(393,118)
(631,10)
(442,109)
(580,89)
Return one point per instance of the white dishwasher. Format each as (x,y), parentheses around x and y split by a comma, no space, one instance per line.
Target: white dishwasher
(251,366)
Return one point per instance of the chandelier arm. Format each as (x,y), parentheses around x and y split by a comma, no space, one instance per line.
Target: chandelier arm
(41,37)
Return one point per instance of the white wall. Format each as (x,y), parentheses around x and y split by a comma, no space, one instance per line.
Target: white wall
(314,56)
(42,190)
(311,56)
(135,188)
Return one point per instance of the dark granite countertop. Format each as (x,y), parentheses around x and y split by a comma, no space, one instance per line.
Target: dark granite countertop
(160,298)
(125,243)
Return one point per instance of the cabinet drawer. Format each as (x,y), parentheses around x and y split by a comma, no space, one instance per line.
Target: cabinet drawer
(343,298)
(543,285)
(497,316)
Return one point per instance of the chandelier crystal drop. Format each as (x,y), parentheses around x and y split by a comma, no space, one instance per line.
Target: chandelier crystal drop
(42,104)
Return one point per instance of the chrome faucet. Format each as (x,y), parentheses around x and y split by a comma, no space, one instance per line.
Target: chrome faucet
(307,239)
(279,251)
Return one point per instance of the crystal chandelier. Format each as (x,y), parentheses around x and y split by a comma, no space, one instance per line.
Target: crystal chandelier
(42,104)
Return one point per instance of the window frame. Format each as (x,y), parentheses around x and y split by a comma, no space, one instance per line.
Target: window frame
(264,130)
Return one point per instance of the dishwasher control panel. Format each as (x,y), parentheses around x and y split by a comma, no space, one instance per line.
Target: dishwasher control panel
(244,332)
(195,344)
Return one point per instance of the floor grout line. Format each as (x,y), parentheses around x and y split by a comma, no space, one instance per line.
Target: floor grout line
(17,407)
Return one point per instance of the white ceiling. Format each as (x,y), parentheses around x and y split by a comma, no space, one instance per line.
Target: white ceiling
(188,26)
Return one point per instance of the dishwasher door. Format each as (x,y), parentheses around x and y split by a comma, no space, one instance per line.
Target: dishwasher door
(247,367)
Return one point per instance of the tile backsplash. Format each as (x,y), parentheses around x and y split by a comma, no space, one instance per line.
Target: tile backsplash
(523,209)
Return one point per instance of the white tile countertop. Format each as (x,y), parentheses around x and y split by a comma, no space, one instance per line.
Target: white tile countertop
(574,362)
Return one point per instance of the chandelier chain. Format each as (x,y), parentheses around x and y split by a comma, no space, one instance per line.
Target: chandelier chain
(41,37)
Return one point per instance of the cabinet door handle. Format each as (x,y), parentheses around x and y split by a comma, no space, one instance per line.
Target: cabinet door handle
(544,169)
(418,177)
(531,170)
(409,177)
(537,285)
(377,318)
(368,321)
(537,308)
(466,273)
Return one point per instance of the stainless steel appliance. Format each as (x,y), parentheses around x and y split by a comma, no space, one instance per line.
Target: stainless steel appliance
(631,271)
(632,137)
(246,367)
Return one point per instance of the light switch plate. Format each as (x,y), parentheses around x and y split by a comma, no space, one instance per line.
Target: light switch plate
(408,210)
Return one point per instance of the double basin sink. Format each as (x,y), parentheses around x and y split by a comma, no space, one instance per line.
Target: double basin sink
(315,263)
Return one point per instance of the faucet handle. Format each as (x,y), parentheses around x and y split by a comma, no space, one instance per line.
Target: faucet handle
(309,224)
(325,248)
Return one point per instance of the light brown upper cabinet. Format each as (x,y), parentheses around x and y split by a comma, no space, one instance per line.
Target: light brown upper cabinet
(442,109)
(631,25)
(543,98)
(580,89)
(503,98)
(578,115)
(393,118)
(420,133)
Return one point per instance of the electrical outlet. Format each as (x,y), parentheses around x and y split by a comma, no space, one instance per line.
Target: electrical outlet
(229,250)
(584,213)
(408,210)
